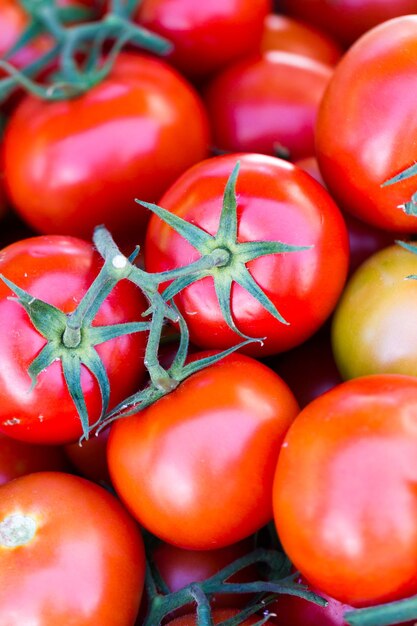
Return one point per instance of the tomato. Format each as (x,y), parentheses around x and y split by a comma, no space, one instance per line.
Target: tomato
(72,165)
(374,329)
(59,270)
(218,618)
(267,104)
(69,554)
(18,458)
(276,201)
(346,20)
(206,35)
(89,458)
(345,502)
(196,467)
(285,33)
(370,102)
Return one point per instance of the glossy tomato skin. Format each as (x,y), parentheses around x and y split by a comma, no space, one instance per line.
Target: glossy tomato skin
(267,103)
(373,328)
(369,101)
(345,503)
(84,563)
(206,36)
(75,164)
(285,33)
(18,459)
(196,467)
(346,20)
(276,201)
(59,270)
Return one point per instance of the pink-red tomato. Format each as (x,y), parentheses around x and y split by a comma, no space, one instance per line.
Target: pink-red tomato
(69,554)
(74,164)
(18,459)
(89,458)
(345,503)
(292,35)
(267,104)
(276,201)
(367,124)
(196,467)
(346,20)
(59,270)
(206,35)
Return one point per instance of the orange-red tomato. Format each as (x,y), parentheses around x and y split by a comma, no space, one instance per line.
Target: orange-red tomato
(69,554)
(196,467)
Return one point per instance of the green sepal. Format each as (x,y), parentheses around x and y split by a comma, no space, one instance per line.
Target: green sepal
(407,173)
(48,320)
(71,368)
(223,287)
(46,356)
(100,334)
(387,614)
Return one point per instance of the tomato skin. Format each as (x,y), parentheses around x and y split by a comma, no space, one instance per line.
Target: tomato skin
(345,502)
(267,101)
(346,20)
(18,459)
(89,458)
(196,467)
(75,164)
(373,328)
(59,270)
(85,563)
(369,100)
(285,33)
(276,201)
(206,36)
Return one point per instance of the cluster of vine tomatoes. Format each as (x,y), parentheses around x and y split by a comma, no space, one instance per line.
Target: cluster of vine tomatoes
(282,138)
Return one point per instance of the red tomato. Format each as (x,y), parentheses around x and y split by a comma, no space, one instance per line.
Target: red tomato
(371,104)
(292,35)
(345,503)
(89,458)
(18,458)
(218,618)
(346,20)
(59,270)
(206,35)
(267,103)
(276,201)
(75,164)
(196,467)
(69,554)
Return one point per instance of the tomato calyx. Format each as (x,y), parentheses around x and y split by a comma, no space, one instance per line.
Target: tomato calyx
(236,255)
(409,206)
(278,580)
(75,34)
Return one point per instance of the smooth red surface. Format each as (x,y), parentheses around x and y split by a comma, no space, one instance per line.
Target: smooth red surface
(206,35)
(345,502)
(367,125)
(59,270)
(85,563)
(75,164)
(196,467)
(276,201)
(267,103)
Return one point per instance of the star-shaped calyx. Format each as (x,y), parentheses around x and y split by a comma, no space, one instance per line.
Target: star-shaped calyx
(229,256)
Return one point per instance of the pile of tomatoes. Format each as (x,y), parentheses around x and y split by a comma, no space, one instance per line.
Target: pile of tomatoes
(208,335)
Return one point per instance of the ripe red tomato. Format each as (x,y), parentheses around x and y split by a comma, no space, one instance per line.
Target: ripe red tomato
(285,33)
(370,102)
(89,458)
(276,201)
(346,20)
(75,164)
(196,467)
(59,270)
(206,35)
(267,103)
(18,459)
(69,554)
(345,503)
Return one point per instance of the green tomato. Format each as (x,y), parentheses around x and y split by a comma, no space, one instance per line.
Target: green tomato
(374,328)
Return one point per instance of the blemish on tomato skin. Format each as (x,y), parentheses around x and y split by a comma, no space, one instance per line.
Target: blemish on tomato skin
(17,530)
(11,422)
